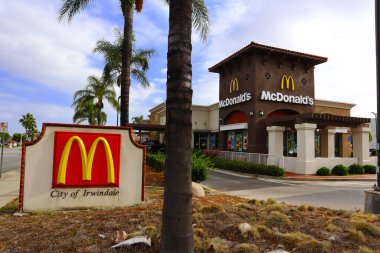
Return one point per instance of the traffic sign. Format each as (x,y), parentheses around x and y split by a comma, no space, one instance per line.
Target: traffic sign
(4,126)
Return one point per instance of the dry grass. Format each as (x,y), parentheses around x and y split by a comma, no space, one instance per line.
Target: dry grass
(215,218)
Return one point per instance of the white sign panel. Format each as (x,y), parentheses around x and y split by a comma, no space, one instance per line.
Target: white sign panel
(82,167)
(4,126)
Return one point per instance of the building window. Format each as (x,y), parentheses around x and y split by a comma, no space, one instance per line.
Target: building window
(317,143)
(290,142)
(338,145)
(237,141)
(201,140)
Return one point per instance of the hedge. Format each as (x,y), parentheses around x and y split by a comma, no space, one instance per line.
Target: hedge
(323,172)
(156,161)
(369,169)
(245,167)
(339,170)
(356,169)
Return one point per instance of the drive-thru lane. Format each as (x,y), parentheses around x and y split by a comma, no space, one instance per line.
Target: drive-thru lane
(347,195)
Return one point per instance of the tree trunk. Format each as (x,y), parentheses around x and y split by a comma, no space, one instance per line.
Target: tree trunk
(177,235)
(98,115)
(126,64)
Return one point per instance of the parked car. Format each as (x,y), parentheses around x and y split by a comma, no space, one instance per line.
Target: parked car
(154,146)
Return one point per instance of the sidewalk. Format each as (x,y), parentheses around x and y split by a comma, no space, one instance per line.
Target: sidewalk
(9,186)
(365,177)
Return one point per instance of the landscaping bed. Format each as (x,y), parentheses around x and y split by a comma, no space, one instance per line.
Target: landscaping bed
(215,217)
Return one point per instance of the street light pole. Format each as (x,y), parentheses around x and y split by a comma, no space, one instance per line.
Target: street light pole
(377,34)
(117,111)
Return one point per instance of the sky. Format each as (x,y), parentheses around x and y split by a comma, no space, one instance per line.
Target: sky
(44,61)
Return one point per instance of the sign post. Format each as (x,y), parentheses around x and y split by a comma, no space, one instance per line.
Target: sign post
(3,128)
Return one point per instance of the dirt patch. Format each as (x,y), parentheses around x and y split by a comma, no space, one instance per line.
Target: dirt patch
(216,218)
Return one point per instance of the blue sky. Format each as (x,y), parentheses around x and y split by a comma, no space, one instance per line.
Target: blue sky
(43,61)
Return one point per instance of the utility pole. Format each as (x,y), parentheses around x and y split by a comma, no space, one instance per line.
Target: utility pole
(377,34)
(2,152)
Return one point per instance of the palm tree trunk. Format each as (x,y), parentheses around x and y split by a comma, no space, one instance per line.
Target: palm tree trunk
(98,118)
(126,63)
(177,235)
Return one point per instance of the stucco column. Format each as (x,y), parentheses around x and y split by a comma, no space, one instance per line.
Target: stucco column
(360,138)
(275,140)
(275,143)
(305,148)
(328,142)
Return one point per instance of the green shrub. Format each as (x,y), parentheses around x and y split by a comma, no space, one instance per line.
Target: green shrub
(323,171)
(156,161)
(339,170)
(369,169)
(200,166)
(246,167)
(356,169)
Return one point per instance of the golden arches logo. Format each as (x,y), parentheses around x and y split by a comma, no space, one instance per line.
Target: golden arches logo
(287,80)
(234,85)
(87,160)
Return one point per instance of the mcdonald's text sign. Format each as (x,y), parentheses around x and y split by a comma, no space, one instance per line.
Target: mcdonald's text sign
(86,160)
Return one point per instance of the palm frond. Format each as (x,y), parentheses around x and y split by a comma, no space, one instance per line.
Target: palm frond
(71,8)
(140,76)
(201,19)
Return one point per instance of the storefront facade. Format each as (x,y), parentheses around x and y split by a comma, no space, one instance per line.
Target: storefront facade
(260,82)
(267,105)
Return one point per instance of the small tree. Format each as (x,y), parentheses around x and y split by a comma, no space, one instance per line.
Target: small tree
(17,137)
(7,137)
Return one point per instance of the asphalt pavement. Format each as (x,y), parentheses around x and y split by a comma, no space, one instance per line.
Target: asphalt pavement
(11,159)
(340,194)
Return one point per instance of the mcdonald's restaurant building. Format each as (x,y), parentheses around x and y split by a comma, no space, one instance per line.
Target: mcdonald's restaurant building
(267,105)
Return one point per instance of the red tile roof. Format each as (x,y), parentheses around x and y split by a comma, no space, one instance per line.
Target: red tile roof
(253,45)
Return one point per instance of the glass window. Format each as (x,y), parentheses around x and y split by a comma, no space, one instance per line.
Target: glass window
(290,142)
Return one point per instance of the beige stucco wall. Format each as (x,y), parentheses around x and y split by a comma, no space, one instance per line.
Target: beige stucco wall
(333,107)
(214,118)
(39,171)
(200,119)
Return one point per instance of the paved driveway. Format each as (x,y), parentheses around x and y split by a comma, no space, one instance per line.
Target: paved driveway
(347,195)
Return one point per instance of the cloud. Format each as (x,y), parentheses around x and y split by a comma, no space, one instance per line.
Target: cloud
(44,61)
(36,47)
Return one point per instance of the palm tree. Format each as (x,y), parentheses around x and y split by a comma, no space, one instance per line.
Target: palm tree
(138,119)
(177,235)
(29,123)
(97,89)
(112,52)
(87,111)
(72,7)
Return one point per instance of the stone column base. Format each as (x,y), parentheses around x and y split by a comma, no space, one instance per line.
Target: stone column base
(372,202)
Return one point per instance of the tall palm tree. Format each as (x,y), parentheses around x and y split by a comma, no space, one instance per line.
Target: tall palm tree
(72,7)
(29,123)
(87,111)
(177,235)
(96,90)
(112,52)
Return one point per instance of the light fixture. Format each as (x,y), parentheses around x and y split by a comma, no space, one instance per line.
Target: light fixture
(261,113)
(250,113)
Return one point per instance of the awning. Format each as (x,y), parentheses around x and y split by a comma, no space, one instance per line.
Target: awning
(236,126)
(321,119)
